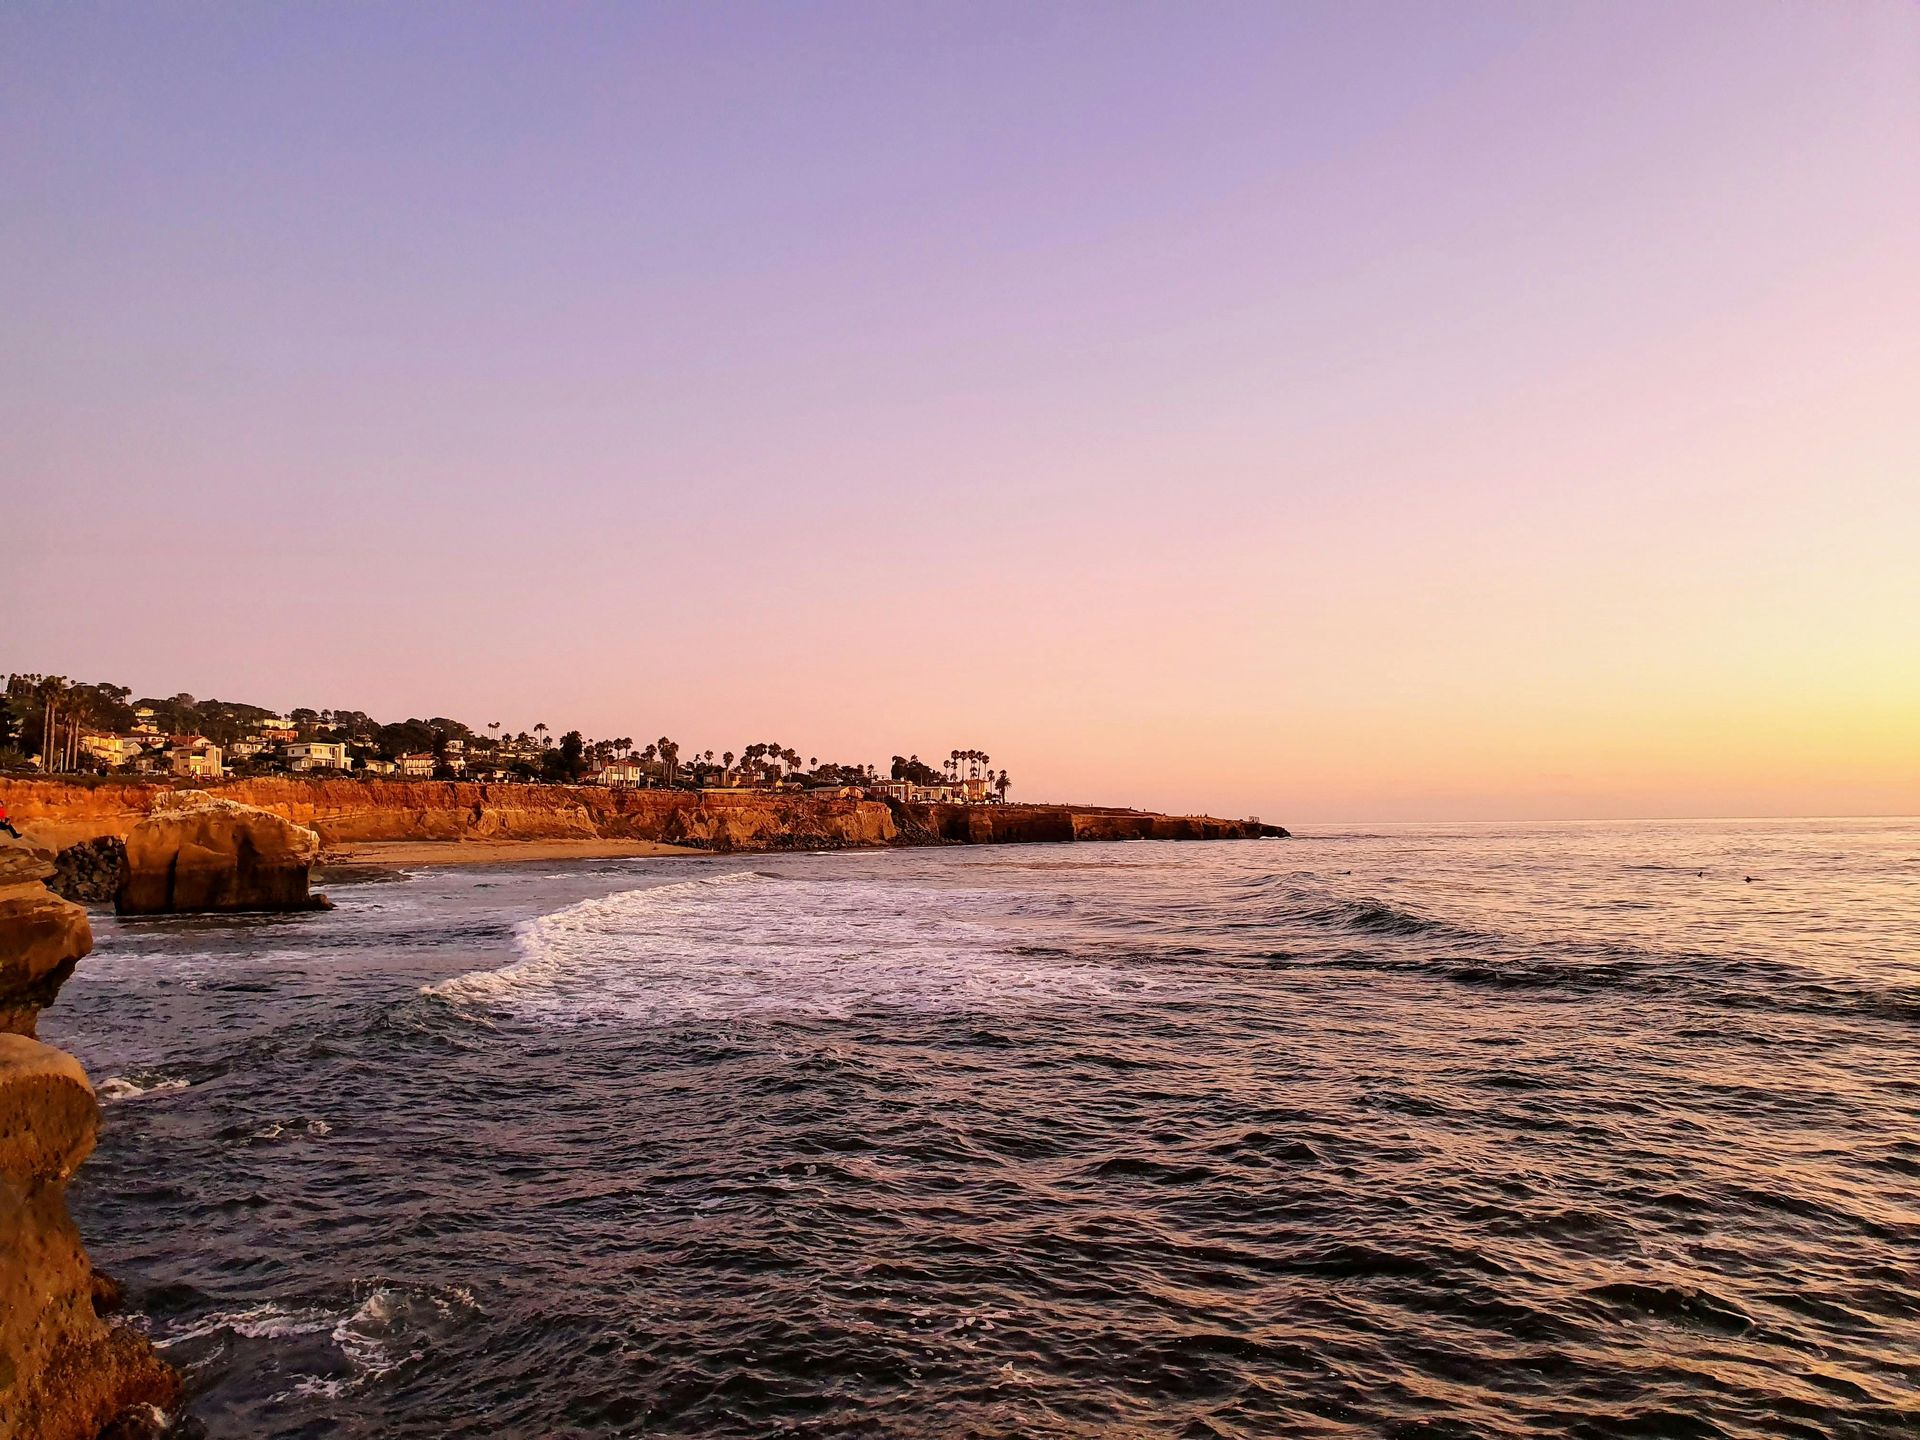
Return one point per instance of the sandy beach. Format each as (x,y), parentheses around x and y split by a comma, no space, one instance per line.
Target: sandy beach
(494,852)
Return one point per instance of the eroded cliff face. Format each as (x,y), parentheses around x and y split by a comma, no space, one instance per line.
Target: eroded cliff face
(347,811)
(65,1372)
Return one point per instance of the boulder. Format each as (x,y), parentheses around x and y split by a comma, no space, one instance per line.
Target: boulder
(65,1372)
(199,852)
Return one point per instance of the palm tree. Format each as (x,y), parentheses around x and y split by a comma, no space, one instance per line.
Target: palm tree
(541,731)
(1002,785)
(52,690)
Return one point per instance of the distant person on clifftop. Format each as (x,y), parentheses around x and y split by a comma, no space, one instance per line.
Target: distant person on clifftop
(6,824)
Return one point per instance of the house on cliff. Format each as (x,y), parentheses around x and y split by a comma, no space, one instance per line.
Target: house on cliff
(113,751)
(619,774)
(195,756)
(317,755)
(417,766)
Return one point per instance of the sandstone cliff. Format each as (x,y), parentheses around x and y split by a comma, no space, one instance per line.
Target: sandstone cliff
(346,811)
(65,1372)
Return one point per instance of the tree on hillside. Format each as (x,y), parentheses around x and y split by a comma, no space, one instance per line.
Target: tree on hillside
(572,756)
(1003,784)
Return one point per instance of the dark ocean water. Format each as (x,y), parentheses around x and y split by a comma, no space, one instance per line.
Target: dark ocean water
(1554,1130)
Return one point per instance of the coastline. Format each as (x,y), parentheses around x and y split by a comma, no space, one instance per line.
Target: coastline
(350,813)
(394,854)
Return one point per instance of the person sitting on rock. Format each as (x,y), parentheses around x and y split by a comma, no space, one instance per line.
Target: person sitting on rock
(5,823)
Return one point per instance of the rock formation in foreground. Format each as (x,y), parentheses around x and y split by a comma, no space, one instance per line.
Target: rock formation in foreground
(42,937)
(200,852)
(65,1372)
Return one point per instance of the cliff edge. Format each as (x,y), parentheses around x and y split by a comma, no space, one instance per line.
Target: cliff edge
(347,812)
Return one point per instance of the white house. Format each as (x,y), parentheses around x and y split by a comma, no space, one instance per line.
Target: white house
(418,764)
(620,774)
(317,755)
(197,757)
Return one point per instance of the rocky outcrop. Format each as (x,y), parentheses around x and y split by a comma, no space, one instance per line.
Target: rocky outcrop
(42,937)
(1038,824)
(345,812)
(65,1372)
(202,852)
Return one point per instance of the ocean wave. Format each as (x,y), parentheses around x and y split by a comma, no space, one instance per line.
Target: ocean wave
(383,1328)
(750,945)
(1369,916)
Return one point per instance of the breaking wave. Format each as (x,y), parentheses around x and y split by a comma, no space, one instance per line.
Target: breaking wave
(746,945)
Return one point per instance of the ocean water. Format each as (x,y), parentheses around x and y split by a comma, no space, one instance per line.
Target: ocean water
(1584,1130)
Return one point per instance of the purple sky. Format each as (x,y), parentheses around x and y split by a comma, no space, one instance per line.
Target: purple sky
(1318,411)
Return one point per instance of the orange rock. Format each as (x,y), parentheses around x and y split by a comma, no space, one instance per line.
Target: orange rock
(201,852)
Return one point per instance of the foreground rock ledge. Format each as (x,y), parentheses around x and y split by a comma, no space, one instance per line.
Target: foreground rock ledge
(65,1372)
(199,852)
(42,936)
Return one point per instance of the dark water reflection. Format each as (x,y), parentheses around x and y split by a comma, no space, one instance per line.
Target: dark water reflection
(1561,1130)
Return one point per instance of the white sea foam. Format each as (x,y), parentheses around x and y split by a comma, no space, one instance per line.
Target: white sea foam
(117,1087)
(745,945)
(268,1320)
(387,1328)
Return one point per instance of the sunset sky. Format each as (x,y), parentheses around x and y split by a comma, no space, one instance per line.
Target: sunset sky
(1344,411)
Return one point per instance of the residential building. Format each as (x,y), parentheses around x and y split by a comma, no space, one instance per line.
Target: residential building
(620,774)
(195,756)
(382,767)
(976,791)
(416,764)
(317,755)
(112,750)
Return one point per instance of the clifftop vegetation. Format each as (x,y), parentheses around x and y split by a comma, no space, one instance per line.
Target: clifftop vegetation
(46,721)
